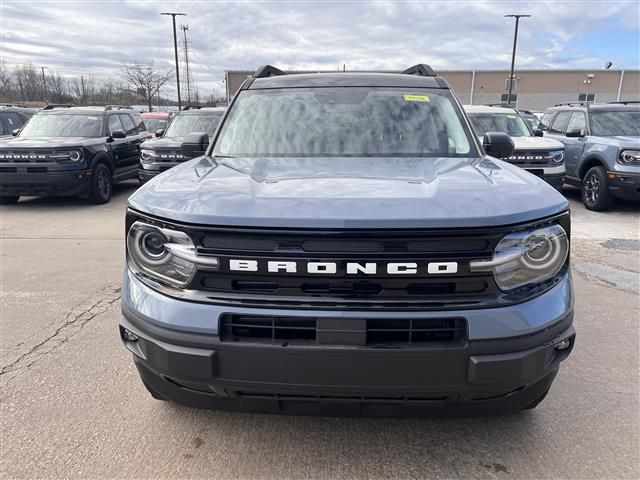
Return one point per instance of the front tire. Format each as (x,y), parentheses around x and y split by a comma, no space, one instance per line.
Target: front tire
(595,190)
(101,185)
(9,200)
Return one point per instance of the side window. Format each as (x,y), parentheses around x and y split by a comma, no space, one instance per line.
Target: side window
(12,120)
(559,125)
(3,130)
(546,120)
(114,124)
(138,122)
(127,123)
(578,121)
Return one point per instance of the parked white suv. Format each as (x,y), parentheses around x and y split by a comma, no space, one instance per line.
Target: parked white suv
(543,157)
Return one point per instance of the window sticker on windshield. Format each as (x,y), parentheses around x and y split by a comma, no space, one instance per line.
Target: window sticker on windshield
(416,98)
(92,118)
(511,116)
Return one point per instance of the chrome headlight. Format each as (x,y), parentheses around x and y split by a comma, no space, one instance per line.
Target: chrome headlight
(526,257)
(166,255)
(147,155)
(74,156)
(629,157)
(557,156)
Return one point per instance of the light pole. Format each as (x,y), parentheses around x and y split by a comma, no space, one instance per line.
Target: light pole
(175,50)
(513,54)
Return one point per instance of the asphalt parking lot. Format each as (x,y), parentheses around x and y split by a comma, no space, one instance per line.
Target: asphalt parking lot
(72,405)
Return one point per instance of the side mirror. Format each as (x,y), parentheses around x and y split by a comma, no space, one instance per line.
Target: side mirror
(574,133)
(159,132)
(15,132)
(118,134)
(498,144)
(195,144)
(538,133)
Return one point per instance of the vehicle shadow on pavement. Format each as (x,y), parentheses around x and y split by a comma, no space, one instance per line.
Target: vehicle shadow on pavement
(120,191)
(334,447)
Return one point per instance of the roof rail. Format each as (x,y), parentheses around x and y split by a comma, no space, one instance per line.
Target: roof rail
(500,104)
(117,107)
(15,105)
(268,71)
(51,106)
(625,102)
(421,69)
(191,107)
(572,104)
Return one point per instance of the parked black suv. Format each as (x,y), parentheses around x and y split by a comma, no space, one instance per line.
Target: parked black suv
(66,150)
(165,151)
(13,117)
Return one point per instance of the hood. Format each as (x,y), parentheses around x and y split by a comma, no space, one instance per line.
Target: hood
(49,142)
(618,141)
(536,143)
(162,142)
(348,193)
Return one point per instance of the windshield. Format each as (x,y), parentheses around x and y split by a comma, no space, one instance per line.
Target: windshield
(532,120)
(344,121)
(182,125)
(64,125)
(154,124)
(610,124)
(510,123)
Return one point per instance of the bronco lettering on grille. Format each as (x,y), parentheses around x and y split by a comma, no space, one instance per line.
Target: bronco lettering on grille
(351,268)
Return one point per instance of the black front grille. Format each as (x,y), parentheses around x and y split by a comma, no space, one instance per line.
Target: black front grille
(296,286)
(371,332)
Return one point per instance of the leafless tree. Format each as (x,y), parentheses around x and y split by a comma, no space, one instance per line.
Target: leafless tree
(146,80)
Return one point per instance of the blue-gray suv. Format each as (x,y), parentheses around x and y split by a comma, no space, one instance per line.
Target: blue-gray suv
(347,245)
(602,149)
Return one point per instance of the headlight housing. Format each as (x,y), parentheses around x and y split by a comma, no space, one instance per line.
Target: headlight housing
(147,155)
(557,156)
(67,156)
(527,257)
(629,157)
(165,255)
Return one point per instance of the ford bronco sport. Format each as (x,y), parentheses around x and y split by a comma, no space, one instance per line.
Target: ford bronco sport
(347,246)
(74,151)
(543,157)
(602,143)
(165,151)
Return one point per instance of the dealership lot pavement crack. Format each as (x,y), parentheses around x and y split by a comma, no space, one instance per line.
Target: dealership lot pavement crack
(74,321)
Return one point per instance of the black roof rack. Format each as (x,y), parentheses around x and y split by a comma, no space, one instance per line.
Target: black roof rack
(191,107)
(573,104)
(51,106)
(421,69)
(268,71)
(15,105)
(500,104)
(625,102)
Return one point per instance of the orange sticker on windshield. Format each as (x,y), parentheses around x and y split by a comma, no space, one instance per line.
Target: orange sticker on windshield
(416,98)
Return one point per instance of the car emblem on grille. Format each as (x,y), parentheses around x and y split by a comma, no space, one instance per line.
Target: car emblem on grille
(350,268)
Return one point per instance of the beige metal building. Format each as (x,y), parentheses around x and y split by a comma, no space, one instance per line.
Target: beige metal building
(533,89)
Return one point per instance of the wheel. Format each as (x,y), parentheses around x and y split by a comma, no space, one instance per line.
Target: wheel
(101,183)
(9,200)
(595,190)
(536,402)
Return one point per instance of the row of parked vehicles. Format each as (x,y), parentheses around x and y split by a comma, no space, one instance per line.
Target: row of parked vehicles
(82,151)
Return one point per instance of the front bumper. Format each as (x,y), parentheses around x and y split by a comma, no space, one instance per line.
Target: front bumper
(495,372)
(624,185)
(45,184)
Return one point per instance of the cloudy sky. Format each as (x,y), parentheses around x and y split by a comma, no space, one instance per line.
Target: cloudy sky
(98,37)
